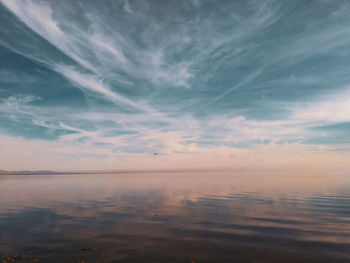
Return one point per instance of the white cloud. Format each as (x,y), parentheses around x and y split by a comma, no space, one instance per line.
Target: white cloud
(334,108)
(127,7)
(39,17)
(250,77)
(91,83)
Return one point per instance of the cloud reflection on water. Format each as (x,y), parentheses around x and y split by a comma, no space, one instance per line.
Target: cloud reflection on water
(306,213)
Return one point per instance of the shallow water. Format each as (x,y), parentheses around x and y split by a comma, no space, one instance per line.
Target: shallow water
(177,217)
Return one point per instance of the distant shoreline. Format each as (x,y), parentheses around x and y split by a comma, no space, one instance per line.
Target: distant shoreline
(48,172)
(223,170)
(41,172)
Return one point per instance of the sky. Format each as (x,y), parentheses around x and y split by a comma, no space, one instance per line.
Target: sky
(103,85)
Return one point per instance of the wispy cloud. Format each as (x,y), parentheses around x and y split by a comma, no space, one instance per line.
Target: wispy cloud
(91,83)
(127,7)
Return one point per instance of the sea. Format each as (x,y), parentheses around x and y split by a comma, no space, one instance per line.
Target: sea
(193,216)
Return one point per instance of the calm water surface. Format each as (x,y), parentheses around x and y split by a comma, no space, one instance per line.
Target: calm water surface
(177,217)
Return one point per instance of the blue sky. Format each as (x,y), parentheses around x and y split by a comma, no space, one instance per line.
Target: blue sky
(105,85)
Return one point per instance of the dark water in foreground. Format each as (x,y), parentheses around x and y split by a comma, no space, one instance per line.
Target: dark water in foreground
(177,217)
